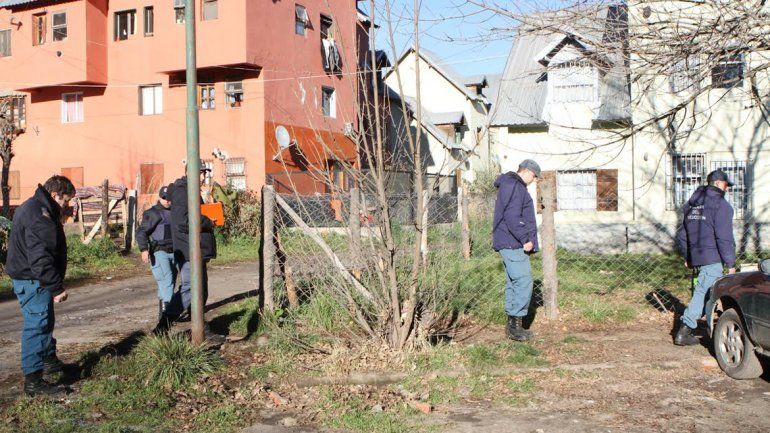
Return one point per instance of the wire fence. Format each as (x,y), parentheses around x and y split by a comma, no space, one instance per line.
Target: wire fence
(327,244)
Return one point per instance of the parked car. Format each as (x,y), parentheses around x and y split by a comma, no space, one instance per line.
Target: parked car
(739,322)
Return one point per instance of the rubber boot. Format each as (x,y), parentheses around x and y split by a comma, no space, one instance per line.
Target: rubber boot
(164,321)
(515,329)
(35,385)
(685,337)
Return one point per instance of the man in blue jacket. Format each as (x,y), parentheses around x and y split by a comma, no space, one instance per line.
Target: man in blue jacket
(514,235)
(706,241)
(37,264)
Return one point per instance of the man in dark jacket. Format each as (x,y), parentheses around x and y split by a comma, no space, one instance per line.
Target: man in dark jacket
(154,239)
(514,235)
(37,263)
(706,241)
(180,236)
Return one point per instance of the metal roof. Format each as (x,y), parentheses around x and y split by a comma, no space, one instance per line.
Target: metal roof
(523,91)
(452,117)
(9,3)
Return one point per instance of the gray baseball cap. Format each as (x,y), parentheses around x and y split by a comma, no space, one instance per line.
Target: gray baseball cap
(530,165)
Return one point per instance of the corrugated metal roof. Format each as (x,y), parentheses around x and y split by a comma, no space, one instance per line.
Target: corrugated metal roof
(493,87)
(452,117)
(8,92)
(9,3)
(522,95)
(432,129)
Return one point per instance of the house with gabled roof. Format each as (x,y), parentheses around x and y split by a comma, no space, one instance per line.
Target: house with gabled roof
(454,111)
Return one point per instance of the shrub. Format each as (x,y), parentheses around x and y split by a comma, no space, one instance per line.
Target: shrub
(174,361)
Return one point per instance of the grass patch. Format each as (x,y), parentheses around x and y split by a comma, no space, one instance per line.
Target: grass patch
(236,249)
(173,361)
(353,414)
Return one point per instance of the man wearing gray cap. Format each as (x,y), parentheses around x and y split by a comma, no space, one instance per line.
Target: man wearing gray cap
(514,236)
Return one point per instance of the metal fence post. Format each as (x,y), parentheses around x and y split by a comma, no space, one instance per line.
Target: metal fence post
(548,228)
(268,246)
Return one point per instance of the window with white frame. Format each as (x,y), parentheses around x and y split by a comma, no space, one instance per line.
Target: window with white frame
(235,173)
(59,26)
(576,190)
(685,75)
(573,82)
(728,72)
(72,107)
(149,21)
(329,102)
(207,96)
(179,6)
(233,94)
(150,99)
(738,194)
(125,24)
(687,173)
(300,20)
(209,10)
(5,43)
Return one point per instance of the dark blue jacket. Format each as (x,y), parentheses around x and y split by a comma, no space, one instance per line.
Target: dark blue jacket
(37,247)
(180,232)
(154,233)
(514,224)
(706,234)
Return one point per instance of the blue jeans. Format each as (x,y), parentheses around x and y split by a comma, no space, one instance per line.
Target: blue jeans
(164,271)
(183,298)
(707,275)
(518,287)
(37,340)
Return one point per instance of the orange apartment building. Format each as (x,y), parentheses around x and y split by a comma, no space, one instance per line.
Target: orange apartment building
(102,84)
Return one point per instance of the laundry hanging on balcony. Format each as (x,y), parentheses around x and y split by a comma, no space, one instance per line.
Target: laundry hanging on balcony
(331,56)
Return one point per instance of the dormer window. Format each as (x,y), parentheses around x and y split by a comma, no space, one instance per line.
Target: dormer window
(573,82)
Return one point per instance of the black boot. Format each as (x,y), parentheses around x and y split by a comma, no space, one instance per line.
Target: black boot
(685,337)
(52,365)
(515,329)
(35,385)
(164,321)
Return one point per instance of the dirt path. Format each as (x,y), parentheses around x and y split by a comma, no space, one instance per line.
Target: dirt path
(96,314)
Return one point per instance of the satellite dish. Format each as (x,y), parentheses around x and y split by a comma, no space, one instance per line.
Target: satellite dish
(282,137)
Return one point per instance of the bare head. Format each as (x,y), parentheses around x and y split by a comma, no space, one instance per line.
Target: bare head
(61,189)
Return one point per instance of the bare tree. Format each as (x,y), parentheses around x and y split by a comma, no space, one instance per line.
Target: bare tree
(9,130)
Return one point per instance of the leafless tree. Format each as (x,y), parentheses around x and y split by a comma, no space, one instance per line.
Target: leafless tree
(9,130)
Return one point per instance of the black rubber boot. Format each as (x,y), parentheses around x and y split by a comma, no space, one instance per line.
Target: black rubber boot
(52,365)
(515,329)
(164,321)
(685,337)
(35,385)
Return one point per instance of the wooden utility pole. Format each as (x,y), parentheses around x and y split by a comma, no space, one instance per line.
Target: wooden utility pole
(548,229)
(268,246)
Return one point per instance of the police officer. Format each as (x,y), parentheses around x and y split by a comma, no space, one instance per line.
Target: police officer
(706,241)
(514,235)
(37,263)
(154,239)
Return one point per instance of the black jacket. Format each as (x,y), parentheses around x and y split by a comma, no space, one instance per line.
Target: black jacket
(37,247)
(706,234)
(151,220)
(177,193)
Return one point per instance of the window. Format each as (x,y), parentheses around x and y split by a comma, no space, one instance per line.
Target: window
(71,107)
(685,75)
(300,20)
(38,29)
(5,43)
(59,26)
(573,82)
(206,96)
(235,173)
(458,134)
(728,73)
(234,94)
(125,24)
(738,194)
(179,11)
(150,100)
(149,21)
(328,102)
(576,190)
(16,110)
(327,31)
(209,10)
(687,173)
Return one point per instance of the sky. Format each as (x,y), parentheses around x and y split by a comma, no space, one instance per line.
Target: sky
(470,41)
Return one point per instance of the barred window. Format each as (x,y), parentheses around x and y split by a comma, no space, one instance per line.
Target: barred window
(573,82)
(235,173)
(687,171)
(576,190)
(738,194)
(728,73)
(685,75)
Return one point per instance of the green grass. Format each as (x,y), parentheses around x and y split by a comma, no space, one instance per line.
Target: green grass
(173,361)
(236,249)
(353,414)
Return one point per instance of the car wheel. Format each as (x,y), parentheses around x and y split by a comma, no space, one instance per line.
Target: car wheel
(733,348)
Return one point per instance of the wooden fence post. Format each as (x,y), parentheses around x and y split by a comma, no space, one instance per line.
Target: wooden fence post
(548,228)
(268,246)
(466,226)
(105,207)
(424,234)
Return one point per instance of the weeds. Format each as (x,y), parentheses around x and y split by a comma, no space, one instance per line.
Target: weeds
(173,361)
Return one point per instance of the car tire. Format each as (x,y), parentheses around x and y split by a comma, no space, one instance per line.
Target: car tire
(733,348)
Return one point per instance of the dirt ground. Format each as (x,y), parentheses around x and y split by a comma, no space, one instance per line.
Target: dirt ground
(627,378)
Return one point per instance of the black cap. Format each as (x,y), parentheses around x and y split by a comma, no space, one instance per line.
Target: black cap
(163,193)
(718,174)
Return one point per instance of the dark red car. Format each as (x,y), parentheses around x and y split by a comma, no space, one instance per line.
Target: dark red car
(739,323)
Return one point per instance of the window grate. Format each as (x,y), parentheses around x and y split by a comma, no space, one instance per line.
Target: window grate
(738,194)
(576,190)
(686,172)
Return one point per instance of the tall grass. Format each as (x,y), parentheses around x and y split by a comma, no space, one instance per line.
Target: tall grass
(174,361)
